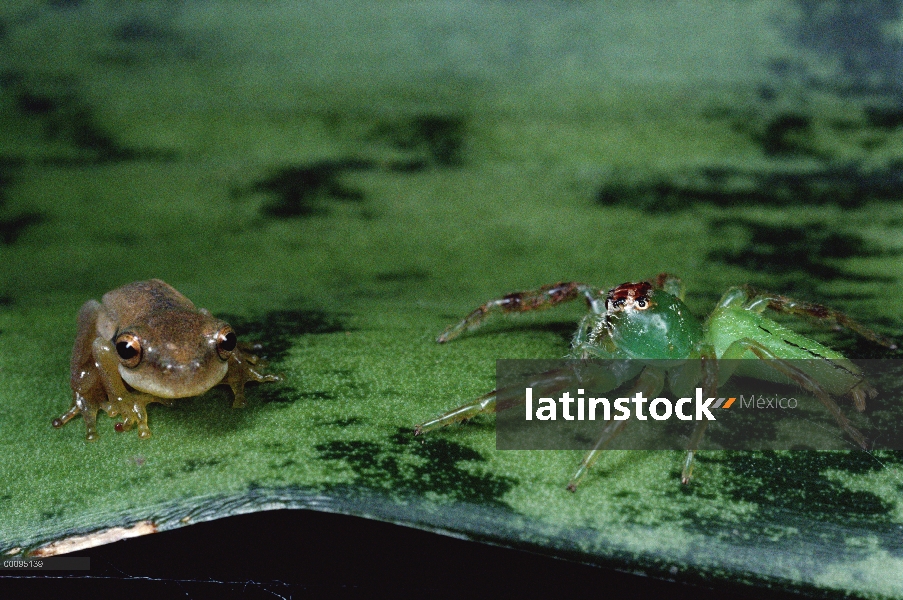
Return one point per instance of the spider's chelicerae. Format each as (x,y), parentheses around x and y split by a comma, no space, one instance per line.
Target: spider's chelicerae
(648,320)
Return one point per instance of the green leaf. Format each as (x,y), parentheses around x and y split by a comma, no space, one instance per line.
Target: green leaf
(344,234)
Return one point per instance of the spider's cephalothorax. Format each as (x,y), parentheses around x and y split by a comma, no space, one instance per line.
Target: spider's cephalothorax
(628,296)
(642,322)
(647,320)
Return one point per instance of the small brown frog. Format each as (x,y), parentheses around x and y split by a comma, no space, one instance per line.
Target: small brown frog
(146,343)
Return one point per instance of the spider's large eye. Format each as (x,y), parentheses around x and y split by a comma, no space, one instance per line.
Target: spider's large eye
(225,342)
(128,347)
(641,303)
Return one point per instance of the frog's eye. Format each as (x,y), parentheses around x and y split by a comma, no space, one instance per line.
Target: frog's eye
(225,342)
(128,347)
(641,303)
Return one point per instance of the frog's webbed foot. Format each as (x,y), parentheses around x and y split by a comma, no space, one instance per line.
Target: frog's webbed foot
(133,409)
(244,367)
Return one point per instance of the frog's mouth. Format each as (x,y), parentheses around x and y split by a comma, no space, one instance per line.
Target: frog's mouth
(181,381)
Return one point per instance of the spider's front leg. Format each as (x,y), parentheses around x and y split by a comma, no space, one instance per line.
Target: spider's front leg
(484,404)
(545,297)
(549,383)
(710,390)
(649,384)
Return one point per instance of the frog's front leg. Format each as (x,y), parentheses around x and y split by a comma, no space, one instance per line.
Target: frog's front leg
(242,369)
(88,410)
(131,403)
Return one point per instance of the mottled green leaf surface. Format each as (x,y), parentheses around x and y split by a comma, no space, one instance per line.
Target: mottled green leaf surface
(341,209)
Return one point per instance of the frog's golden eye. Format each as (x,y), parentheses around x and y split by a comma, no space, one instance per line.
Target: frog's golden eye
(641,303)
(128,347)
(225,342)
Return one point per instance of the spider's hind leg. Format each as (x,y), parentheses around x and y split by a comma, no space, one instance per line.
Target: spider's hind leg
(798,374)
(757,301)
(672,284)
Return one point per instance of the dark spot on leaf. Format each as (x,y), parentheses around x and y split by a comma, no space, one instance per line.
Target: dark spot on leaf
(852,35)
(885,117)
(345,422)
(8,166)
(411,166)
(277,447)
(786,134)
(276,330)
(12,227)
(797,482)
(34,105)
(767,93)
(407,467)
(47,515)
(411,276)
(342,372)
(437,139)
(64,4)
(138,30)
(795,257)
(442,135)
(275,393)
(285,395)
(288,462)
(69,120)
(845,186)
(302,191)
(193,464)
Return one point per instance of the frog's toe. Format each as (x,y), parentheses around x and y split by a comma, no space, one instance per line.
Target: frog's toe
(66,417)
